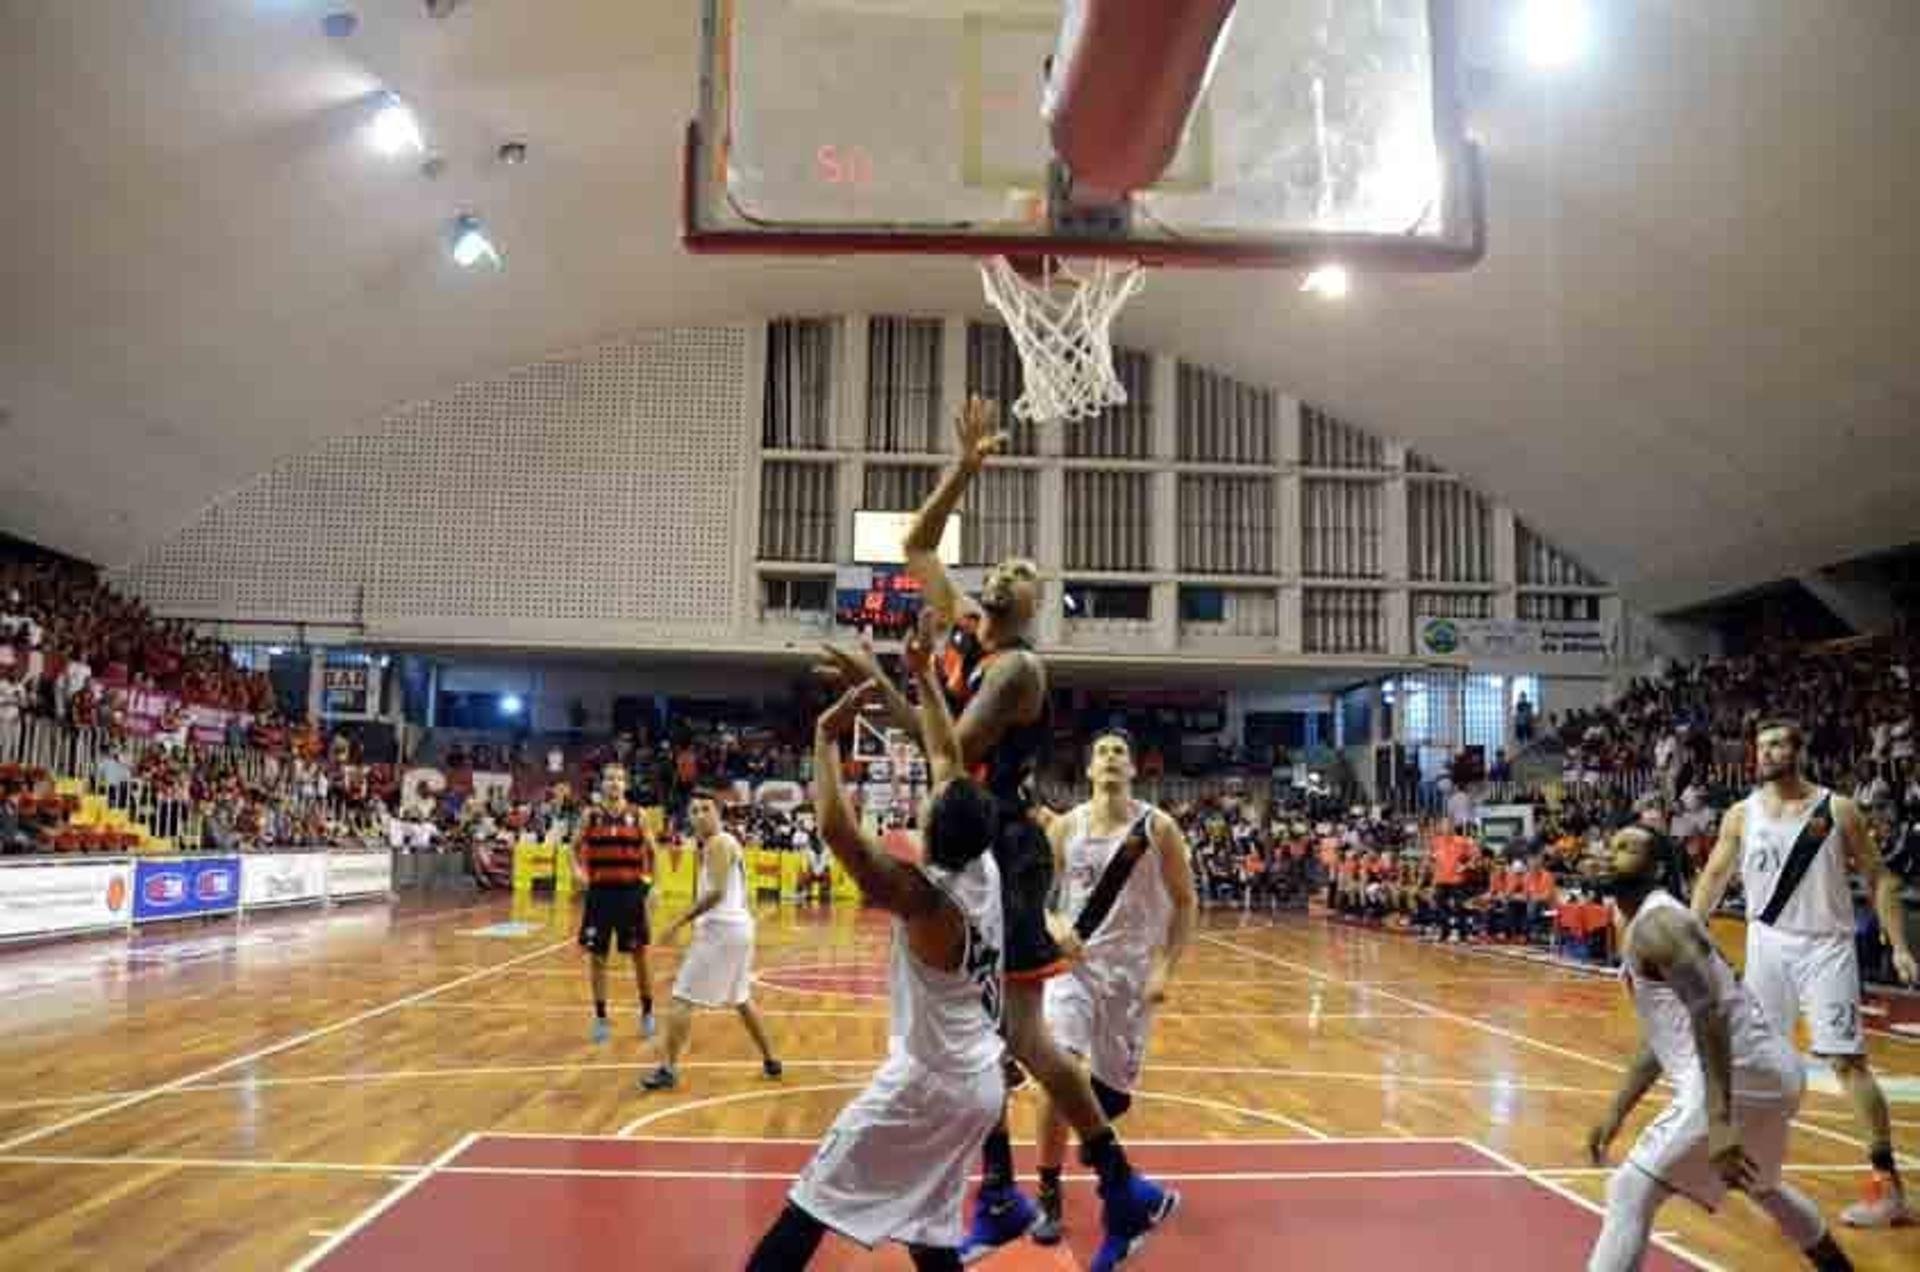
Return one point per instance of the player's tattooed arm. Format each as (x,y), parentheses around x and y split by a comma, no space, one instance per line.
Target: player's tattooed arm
(1009,695)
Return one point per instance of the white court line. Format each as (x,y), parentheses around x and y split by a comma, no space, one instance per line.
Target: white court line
(405,1171)
(1474,1022)
(1317,1140)
(398,1170)
(557,1009)
(1825,1116)
(29,1137)
(1561,1190)
(58,1100)
(771,1092)
(865,1062)
(1278,1119)
(738,1097)
(383,1205)
(1601,1172)
(783,1176)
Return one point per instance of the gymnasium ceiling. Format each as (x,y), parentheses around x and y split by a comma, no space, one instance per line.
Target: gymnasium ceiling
(1692,356)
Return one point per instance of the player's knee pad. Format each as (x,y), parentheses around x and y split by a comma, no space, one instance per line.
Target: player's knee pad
(1113,1102)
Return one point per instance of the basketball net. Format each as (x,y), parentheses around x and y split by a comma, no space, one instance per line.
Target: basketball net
(1061,324)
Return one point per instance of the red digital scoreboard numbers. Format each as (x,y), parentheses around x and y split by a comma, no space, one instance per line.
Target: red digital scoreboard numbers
(888,606)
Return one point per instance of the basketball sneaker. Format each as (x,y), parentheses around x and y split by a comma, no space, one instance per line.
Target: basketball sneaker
(602,1030)
(661,1079)
(646,1025)
(1048,1229)
(1882,1206)
(1000,1216)
(1129,1214)
(771,1068)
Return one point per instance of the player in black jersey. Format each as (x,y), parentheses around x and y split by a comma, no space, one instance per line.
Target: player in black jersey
(997,686)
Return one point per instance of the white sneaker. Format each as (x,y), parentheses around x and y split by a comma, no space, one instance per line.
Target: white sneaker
(1884,1206)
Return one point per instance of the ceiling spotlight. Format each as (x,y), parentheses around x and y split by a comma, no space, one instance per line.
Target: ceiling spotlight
(396,130)
(512,153)
(1329,282)
(471,244)
(1553,32)
(511,704)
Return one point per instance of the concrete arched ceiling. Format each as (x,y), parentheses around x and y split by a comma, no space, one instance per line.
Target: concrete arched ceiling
(1692,356)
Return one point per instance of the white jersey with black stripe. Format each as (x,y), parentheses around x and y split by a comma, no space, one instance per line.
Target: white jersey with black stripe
(1822,902)
(1137,923)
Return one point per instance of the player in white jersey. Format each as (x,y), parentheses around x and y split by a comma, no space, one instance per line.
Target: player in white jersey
(1794,844)
(894,1166)
(717,970)
(1126,886)
(1737,1083)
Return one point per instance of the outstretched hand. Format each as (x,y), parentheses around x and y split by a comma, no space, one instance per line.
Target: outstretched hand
(846,666)
(839,717)
(978,429)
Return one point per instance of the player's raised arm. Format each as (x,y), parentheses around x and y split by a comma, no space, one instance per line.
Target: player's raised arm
(887,883)
(980,438)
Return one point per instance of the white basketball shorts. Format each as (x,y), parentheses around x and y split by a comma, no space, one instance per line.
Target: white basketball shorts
(895,1165)
(1101,1014)
(1673,1148)
(1796,974)
(718,968)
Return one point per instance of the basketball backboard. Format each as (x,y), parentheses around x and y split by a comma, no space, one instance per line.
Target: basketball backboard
(1327,130)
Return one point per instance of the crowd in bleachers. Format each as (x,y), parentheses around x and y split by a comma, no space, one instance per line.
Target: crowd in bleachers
(1673,749)
(68,641)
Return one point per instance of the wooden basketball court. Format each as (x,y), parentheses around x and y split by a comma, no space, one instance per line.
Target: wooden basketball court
(349,1090)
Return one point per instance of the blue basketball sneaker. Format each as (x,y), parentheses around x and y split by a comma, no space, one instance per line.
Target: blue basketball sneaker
(1129,1213)
(602,1030)
(1000,1216)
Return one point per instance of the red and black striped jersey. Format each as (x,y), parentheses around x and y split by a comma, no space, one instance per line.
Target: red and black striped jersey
(615,848)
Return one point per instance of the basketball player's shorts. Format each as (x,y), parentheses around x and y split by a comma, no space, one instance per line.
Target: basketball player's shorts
(895,1165)
(1795,974)
(718,968)
(1025,858)
(614,916)
(1100,1013)
(1673,1148)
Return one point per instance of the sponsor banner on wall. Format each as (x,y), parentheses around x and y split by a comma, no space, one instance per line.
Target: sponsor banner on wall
(44,900)
(1511,638)
(283,878)
(186,887)
(359,874)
